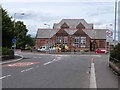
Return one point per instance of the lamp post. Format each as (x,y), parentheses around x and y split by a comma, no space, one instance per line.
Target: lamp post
(14,40)
(115,20)
(94,34)
(49,34)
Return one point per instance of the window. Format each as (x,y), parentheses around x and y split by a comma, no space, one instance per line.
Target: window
(77,42)
(58,40)
(83,41)
(65,39)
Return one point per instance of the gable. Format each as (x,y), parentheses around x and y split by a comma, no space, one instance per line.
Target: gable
(80,26)
(80,33)
(64,25)
(61,33)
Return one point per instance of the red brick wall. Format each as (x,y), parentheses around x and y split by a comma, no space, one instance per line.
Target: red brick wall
(40,42)
(80,33)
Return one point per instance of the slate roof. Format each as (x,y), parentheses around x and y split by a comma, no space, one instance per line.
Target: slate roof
(70,31)
(96,33)
(92,33)
(72,23)
(46,33)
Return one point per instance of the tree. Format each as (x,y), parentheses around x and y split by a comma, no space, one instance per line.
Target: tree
(20,33)
(30,41)
(7,29)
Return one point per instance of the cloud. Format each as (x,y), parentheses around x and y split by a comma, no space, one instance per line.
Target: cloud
(37,13)
(57,0)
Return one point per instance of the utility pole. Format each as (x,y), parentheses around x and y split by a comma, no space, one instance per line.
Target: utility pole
(115,20)
(49,37)
(14,39)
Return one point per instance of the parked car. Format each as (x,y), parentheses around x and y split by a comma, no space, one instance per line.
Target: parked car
(42,49)
(101,50)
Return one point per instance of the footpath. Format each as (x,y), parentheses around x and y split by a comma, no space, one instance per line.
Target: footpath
(16,58)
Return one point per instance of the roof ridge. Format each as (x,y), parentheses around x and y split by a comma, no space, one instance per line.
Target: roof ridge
(72,19)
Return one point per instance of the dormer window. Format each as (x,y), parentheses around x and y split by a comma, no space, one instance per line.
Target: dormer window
(80,26)
(64,25)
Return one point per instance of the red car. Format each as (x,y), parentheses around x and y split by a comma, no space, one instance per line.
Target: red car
(99,50)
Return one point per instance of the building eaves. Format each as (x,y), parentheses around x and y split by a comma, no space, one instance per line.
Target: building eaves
(96,33)
(46,33)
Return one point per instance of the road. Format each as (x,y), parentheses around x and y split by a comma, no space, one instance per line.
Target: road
(59,71)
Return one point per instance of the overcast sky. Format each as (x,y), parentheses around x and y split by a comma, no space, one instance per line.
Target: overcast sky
(38,12)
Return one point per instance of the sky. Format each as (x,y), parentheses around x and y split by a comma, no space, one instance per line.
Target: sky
(40,12)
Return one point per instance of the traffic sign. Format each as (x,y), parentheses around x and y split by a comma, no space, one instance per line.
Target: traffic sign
(109,33)
(109,39)
(13,40)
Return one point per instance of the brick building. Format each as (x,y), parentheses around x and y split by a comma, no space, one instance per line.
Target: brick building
(74,33)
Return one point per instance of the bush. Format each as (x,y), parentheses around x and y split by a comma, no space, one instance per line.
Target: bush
(7,51)
(115,53)
(7,54)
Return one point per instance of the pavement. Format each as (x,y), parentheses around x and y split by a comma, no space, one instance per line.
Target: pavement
(37,70)
(16,59)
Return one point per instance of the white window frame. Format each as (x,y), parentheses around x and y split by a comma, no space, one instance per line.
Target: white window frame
(83,42)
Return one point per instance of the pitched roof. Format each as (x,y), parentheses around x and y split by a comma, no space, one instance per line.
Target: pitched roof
(70,31)
(92,33)
(72,23)
(96,33)
(46,33)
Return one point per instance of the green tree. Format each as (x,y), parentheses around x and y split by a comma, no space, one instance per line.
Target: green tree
(7,29)
(21,34)
(19,31)
(30,41)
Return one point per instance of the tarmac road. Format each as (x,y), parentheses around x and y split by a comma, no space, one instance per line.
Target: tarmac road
(59,71)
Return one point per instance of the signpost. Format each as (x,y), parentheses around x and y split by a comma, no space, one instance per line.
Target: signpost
(14,42)
(109,36)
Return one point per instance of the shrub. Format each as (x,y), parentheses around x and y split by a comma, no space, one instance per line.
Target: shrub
(115,55)
(7,51)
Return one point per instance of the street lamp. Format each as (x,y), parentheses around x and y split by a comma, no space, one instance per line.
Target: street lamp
(49,34)
(115,19)
(93,36)
(15,17)
(14,28)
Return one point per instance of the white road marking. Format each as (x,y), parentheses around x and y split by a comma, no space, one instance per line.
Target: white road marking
(4,77)
(54,60)
(93,83)
(26,69)
(47,63)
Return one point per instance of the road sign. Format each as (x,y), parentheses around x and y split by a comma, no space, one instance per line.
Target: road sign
(109,39)
(109,36)
(13,40)
(109,33)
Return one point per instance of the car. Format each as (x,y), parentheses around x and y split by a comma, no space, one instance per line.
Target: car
(42,49)
(101,50)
